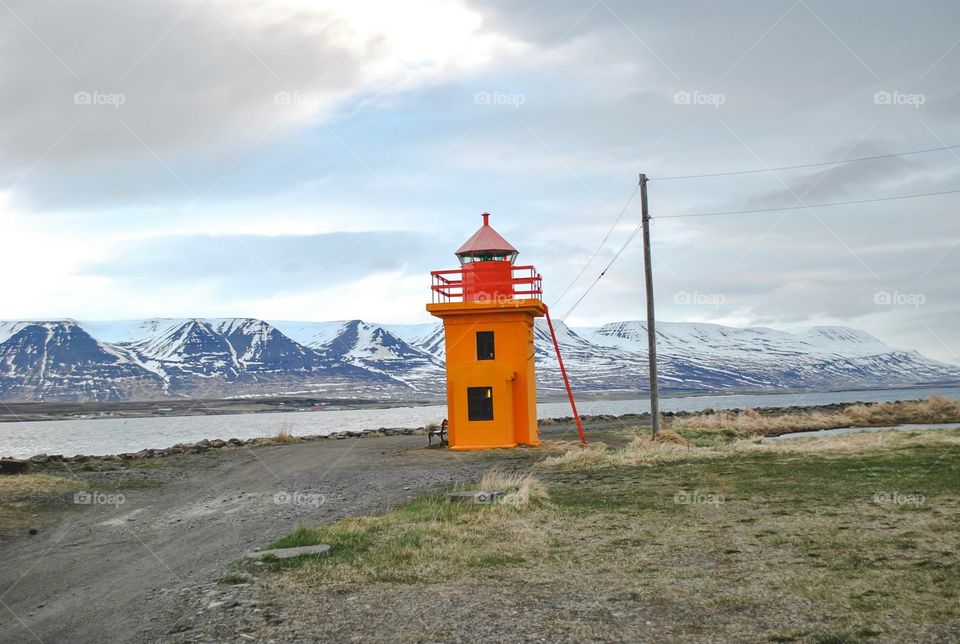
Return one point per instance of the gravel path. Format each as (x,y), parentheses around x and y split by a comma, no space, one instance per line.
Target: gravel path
(105,573)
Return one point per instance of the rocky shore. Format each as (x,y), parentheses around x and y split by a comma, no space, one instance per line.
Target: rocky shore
(15,466)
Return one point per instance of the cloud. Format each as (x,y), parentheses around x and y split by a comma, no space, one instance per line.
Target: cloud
(252,266)
(120,102)
(271,125)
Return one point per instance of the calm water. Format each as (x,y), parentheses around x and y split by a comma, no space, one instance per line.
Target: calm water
(112,436)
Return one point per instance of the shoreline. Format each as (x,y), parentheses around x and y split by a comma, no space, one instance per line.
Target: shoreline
(41,411)
(547,425)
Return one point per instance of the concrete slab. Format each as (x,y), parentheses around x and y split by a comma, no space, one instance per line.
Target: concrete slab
(288,553)
(482,497)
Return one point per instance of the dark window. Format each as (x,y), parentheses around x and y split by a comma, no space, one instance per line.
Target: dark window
(480,403)
(484,345)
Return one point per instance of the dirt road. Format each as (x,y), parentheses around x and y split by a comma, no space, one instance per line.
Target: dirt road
(110,572)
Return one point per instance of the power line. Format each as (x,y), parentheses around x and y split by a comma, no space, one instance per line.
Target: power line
(599,248)
(813,205)
(636,230)
(604,272)
(806,165)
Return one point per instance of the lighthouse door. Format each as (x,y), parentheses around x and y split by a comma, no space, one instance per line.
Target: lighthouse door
(487,414)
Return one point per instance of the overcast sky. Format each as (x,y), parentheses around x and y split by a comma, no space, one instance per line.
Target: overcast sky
(310,160)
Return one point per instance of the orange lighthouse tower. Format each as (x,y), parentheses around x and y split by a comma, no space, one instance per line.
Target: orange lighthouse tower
(488,306)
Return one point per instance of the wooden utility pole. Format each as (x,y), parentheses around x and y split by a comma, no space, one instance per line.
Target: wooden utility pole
(651,331)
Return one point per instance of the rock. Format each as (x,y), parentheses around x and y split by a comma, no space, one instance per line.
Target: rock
(13,466)
(39,458)
(321,550)
(244,577)
(217,443)
(182,624)
(229,601)
(214,605)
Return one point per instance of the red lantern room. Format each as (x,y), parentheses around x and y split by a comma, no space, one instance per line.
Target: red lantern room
(487,272)
(487,260)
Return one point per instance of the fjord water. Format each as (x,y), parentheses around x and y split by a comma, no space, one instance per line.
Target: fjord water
(114,435)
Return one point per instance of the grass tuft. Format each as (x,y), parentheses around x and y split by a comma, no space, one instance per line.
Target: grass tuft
(301,536)
(521,487)
(284,436)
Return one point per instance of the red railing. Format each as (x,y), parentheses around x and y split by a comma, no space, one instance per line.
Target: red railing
(449,286)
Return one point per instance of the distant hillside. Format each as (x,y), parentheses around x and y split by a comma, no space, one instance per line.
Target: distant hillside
(161,358)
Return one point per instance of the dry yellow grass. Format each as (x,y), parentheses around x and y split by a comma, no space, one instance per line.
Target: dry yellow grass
(282,436)
(643,450)
(21,494)
(19,485)
(750,422)
(521,487)
(579,456)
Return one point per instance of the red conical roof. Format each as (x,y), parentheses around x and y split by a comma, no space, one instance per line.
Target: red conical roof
(485,240)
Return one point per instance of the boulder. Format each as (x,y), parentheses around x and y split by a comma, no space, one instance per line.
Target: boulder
(13,466)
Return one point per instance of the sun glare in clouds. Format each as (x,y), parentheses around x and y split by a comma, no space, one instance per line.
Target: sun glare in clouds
(403,44)
(39,266)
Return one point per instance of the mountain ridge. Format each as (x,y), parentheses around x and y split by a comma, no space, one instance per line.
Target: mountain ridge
(223,357)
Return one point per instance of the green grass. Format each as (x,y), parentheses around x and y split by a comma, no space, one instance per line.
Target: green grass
(796,548)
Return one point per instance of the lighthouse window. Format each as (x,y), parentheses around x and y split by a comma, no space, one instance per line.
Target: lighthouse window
(484,345)
(480,403)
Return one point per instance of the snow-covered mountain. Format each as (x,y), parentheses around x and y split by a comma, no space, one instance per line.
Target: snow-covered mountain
(209,358)
(711,357)
(376,349)
(59,360)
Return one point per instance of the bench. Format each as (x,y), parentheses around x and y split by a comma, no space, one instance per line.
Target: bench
(440,432)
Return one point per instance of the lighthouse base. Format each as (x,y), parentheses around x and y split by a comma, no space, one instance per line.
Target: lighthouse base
(472,448)
(491,384)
